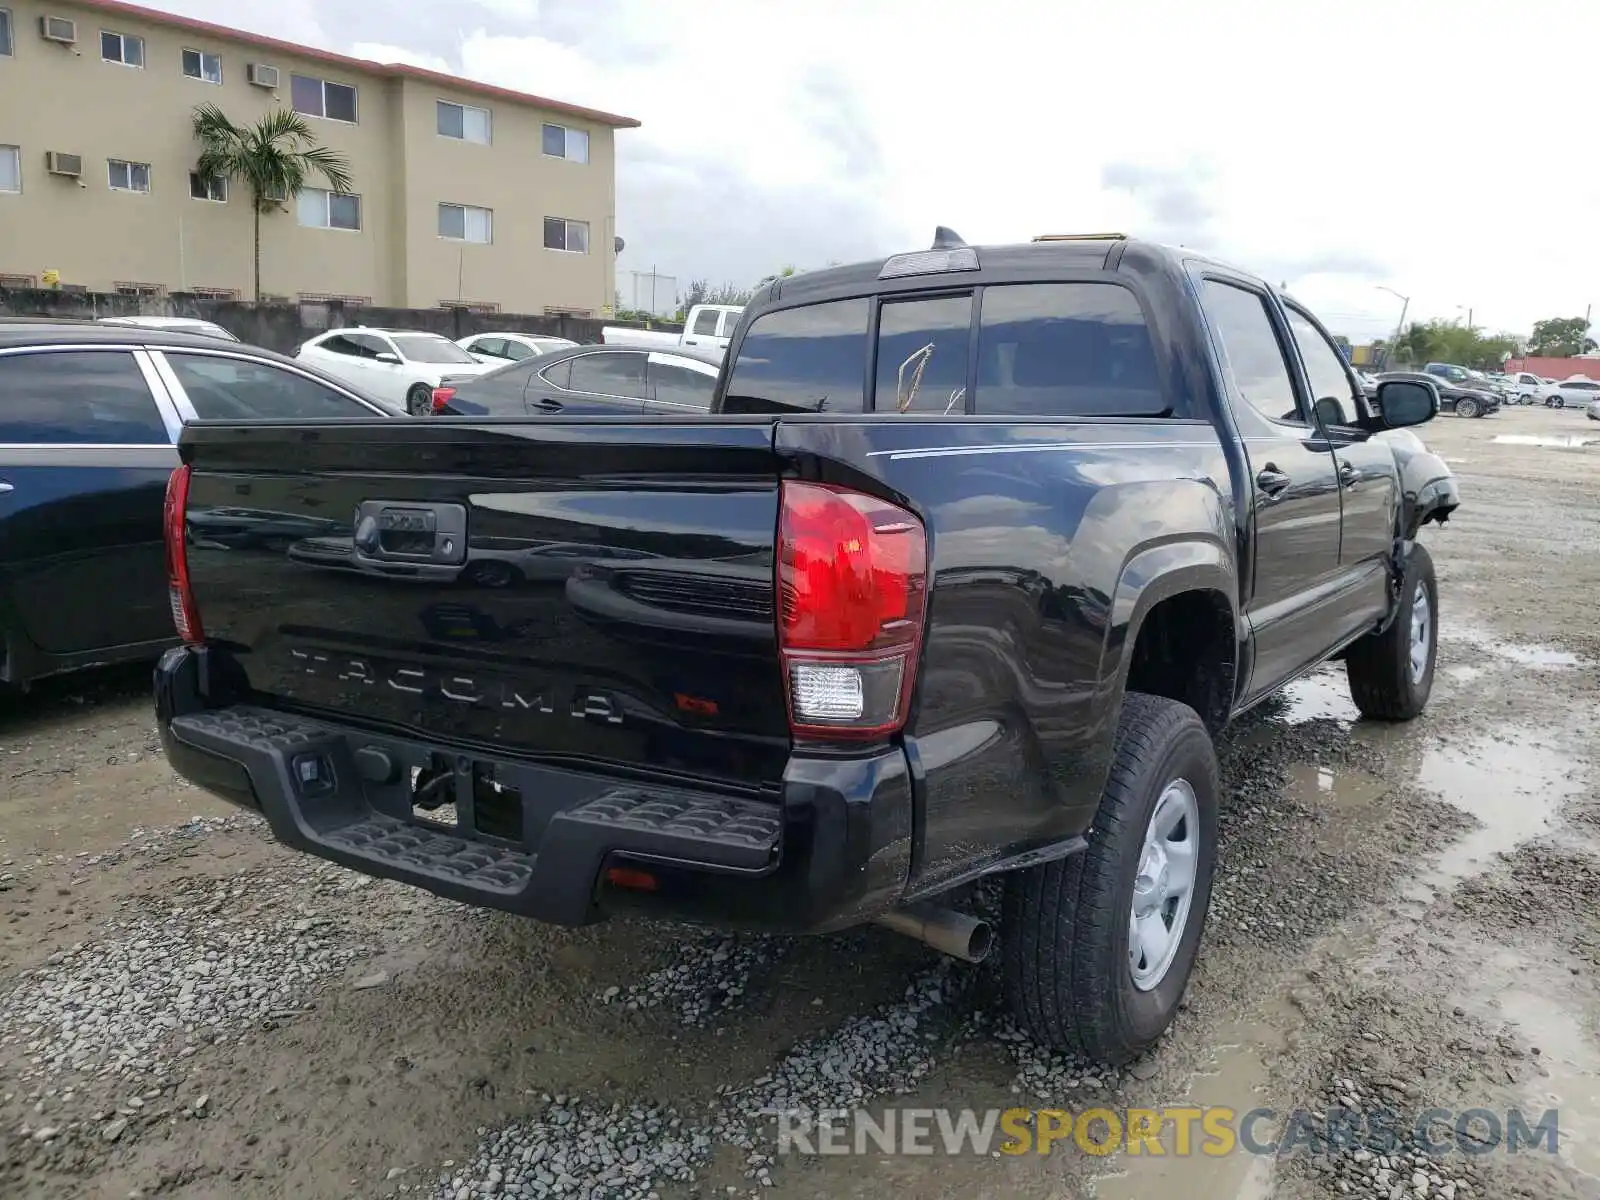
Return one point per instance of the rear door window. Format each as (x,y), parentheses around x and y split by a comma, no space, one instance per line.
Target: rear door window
(922,355)
(86,398)
(808,359)
(610,374)
(232,389)
(1066,350)
(1252,355)
(705,322)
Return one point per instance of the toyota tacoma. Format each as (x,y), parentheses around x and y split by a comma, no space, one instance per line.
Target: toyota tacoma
(977,551)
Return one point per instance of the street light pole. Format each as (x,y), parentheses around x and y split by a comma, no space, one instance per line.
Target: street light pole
(1405,304)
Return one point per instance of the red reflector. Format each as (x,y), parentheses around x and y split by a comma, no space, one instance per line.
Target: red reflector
(631,878)
(180,595)
(852,584)
(695,704)
(442,397)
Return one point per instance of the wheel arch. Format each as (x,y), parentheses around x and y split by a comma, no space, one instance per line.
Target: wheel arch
(1178,591)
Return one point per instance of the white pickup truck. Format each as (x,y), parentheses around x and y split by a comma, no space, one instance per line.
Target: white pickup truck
(709,326)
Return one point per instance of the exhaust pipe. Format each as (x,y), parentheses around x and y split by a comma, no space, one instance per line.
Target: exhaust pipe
(947,931)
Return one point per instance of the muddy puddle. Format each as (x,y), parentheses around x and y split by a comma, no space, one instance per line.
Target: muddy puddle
(1554,442)
(1521,654)
(1321,696)
(1234,1079)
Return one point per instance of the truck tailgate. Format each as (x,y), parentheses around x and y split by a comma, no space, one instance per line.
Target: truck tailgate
(582,591)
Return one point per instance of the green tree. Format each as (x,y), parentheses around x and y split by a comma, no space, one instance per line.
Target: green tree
(274,159)
(1561,337)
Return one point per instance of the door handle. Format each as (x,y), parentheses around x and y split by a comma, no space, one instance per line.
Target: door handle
(547,404)
(1271,480)
(1349,474)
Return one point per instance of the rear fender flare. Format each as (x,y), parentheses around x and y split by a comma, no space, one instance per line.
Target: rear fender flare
(1155,573)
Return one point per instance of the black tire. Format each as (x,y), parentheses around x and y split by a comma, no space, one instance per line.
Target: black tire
(1064,924)
(1466,407)
(1379,666)
(419,400)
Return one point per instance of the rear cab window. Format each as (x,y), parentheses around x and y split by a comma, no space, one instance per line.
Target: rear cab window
(1036,350)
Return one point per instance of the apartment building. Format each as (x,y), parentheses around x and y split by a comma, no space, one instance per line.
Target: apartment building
(462,193)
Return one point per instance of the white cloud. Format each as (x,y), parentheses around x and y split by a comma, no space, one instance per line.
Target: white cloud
(1435,147)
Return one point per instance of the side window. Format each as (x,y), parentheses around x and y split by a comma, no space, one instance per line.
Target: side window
(233,389)
(340,344)
(809,359)
(493,347)
(94,398)
(705,322)
(681,386)
(1252,356)
(1332,397)
(515,351)
(558,374)
(609,374)
(922,355)
(1066,349)
(730,322)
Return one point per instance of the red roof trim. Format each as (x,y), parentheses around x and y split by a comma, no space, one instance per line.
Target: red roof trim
(388,70)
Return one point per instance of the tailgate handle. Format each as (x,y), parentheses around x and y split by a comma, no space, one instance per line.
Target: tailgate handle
(410,531)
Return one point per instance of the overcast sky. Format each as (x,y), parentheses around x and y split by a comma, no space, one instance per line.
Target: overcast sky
(1443,149)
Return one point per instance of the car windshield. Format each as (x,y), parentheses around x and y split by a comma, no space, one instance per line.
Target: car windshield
(428,348)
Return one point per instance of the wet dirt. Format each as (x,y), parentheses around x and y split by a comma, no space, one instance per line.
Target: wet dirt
(1403,920)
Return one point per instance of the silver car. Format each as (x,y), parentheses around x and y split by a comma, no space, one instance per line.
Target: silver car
(1570,393)
(1594,410)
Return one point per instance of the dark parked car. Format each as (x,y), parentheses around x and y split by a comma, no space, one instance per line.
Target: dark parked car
(592,380)
(89,417)
(1016,532)
(1461,399)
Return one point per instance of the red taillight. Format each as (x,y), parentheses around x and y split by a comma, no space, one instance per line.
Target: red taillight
(442,397)
(852,583)
(185,613)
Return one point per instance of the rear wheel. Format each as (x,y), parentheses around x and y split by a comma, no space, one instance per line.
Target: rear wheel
(1391,673)
(419,400)
(1097,947)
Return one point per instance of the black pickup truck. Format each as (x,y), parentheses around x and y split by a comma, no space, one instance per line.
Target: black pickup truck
(977,550)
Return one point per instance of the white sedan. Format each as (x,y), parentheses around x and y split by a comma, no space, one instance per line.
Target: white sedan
(501,348)
(1572,393)
(397,365)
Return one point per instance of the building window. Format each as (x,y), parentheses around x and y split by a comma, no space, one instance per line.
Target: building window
(213,187)
(570,144)
(18,281)
(319,98)
(122,48)
(320,209)
(464,223)
(215,293)
(207,68)
(561,234)
(10,169)
(5,33)
(463,122)
(128,288)
(129,176)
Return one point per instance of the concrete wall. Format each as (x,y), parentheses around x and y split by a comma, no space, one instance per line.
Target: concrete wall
(67,99)
(282,327)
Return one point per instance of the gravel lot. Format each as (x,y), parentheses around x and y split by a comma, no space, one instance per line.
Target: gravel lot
(1404,919)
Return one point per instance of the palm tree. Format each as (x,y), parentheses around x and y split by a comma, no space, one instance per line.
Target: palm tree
(273,158)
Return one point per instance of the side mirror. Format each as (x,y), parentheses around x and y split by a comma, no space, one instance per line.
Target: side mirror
(1403,402)
(384,356)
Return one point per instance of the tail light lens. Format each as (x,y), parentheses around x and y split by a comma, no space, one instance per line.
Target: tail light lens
(180,595)
(852,585)
(442,397)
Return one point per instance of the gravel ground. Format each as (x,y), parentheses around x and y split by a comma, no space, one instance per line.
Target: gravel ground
(1403,921)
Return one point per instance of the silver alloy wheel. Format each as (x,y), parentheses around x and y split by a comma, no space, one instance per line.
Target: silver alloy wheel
(1163,890)
(1421,627)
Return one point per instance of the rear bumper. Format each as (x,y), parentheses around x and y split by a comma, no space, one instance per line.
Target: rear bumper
(829,849)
